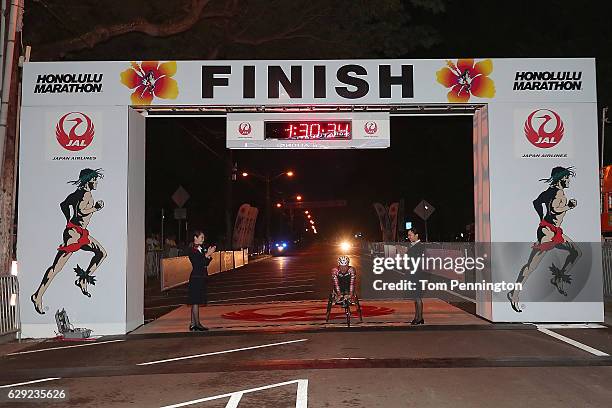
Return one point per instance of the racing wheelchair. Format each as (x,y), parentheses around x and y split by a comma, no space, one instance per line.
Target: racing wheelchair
(343,300)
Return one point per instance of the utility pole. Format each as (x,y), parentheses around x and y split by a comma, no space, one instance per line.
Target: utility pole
(604,122)
(230,176)
(9,114)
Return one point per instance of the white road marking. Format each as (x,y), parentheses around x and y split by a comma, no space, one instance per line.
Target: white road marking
(30,382)
(572,342)
(461,296)
(260,296)
(64,347)
(555,326)
(301,400)
(164,306)
(215,353)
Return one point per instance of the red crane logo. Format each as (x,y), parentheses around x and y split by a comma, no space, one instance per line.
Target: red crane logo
(79,135)
(244,128)
(370,128)
(550,128)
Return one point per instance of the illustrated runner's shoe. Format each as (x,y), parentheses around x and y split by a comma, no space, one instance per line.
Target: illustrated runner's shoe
(83,279)
(513,303)
(560,279)
(83,288)
(36,307)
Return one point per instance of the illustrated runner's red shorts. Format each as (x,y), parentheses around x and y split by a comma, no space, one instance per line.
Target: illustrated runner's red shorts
(83,239)
(556,239)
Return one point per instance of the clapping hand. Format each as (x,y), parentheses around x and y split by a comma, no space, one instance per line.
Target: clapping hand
(211,250)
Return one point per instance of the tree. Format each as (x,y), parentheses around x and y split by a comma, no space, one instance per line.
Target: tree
(215,29)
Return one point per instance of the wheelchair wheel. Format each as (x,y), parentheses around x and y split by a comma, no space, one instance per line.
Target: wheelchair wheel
(358,309)
(330,301)
(347,311)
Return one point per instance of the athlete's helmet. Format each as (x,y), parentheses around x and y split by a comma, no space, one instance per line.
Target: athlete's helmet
(344,260)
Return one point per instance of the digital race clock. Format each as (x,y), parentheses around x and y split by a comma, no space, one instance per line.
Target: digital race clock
(308,130)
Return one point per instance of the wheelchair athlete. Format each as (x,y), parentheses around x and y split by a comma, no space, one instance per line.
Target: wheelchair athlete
(344,280)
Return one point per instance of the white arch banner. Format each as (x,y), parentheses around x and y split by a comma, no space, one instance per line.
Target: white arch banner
(81,179)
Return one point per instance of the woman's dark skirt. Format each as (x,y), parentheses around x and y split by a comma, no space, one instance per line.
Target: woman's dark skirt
(415,278)
(197,290)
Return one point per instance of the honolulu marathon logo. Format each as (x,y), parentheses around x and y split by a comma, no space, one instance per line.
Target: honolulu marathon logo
(467,78)
(68,83)
(544,128)
(151,79)
(74,131)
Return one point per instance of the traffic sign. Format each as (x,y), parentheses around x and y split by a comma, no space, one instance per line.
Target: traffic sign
(424,210)
(180,197)
(180,213)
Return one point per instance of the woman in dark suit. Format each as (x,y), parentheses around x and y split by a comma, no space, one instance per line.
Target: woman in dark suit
(416,250)
(200,258)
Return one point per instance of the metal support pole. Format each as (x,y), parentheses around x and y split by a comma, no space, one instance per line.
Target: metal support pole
(162,230)
(268,212)
(9,68)
(229,170)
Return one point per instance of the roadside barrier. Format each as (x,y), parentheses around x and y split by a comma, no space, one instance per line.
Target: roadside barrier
(606,255)
(10,321)
(175,271)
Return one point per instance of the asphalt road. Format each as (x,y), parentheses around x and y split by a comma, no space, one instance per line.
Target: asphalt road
(502,366)
(478,365)
(301,274)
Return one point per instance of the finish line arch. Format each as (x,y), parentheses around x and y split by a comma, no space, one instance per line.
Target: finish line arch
(81,121)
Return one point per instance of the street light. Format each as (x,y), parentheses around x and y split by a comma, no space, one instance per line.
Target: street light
(267,179)
(278,205)
(306,212)
(299,198)
(309,216)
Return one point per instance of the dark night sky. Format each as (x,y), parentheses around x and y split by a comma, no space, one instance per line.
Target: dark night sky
(430,158)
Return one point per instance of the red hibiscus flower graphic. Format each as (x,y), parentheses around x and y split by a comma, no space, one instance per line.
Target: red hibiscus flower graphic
(150,79)
(466,79)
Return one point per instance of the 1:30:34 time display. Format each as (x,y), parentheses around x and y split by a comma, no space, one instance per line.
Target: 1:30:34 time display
(317,130)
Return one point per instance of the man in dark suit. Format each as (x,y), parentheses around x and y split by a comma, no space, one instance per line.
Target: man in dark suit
(416,250)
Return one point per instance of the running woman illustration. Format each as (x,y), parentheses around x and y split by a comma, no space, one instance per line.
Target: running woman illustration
(550,234)
(78,208)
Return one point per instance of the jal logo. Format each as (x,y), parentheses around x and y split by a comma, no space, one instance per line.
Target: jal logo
(370,128)
(544,128)
(244,128)
(74,131)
